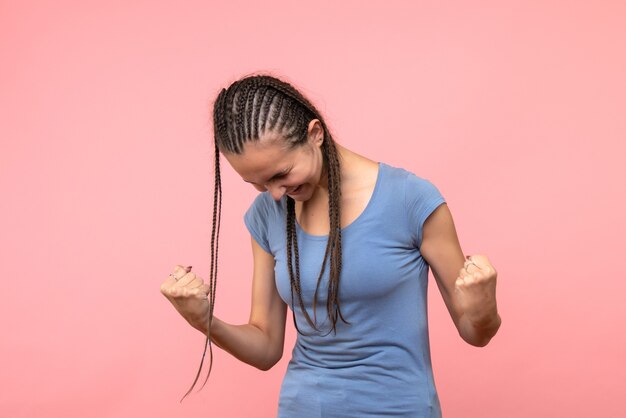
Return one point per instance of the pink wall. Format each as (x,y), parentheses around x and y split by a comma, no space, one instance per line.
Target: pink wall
(515,110)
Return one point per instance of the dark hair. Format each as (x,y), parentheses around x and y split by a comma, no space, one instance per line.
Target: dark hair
(243,112)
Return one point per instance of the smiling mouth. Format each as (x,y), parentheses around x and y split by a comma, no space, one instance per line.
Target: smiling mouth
(296,190)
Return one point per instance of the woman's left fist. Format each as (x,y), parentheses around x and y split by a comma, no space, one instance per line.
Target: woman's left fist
(476,288)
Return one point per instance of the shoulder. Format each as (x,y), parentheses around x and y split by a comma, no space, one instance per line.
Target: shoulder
(412,183)
(419,196)
(263,220)
(264,210)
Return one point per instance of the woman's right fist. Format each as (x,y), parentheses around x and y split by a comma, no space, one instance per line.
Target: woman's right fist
(189,295)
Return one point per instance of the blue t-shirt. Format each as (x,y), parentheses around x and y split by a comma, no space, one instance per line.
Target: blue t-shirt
(380,364)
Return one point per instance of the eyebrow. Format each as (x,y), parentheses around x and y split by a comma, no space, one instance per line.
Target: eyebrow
(285,171)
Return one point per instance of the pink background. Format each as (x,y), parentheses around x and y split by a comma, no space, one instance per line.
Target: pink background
(514,109)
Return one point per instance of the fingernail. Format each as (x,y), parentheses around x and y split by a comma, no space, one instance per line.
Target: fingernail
(188,269)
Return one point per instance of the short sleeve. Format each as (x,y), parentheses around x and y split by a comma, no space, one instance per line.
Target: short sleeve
(421,198)
(257,219)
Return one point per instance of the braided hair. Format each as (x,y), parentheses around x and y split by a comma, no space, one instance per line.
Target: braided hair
(243,112)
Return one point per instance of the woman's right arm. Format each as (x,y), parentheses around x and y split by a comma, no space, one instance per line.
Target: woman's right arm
(260,342)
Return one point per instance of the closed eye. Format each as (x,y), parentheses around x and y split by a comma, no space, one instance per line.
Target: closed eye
(280,175)
(275,176)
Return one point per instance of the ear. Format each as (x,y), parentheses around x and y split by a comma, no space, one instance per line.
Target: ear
(316,133)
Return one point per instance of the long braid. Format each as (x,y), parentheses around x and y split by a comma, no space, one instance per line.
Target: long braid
(291,253)
(215,231)
(335,230)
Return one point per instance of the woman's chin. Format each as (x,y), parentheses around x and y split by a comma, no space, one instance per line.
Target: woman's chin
(300,193)
(299,197)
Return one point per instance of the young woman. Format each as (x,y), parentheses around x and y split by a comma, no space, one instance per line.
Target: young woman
(334,229)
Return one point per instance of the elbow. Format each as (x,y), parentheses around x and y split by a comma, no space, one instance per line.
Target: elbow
(475,340)
(479,337)
(478,343)
(265,366)
(271,362)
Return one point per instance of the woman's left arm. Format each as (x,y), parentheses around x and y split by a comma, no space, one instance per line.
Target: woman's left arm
(468,286)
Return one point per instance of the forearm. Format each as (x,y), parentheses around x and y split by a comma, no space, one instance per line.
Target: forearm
(245,342)
(479,331)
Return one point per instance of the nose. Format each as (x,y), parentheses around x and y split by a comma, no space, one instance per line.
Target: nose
(276,191)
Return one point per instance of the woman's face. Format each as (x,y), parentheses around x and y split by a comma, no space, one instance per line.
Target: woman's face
(269,164)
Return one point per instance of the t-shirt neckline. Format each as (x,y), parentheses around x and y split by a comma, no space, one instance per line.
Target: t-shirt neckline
(368,207)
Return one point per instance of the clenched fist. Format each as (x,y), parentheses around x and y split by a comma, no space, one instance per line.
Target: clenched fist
(476,288)
(189,295)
